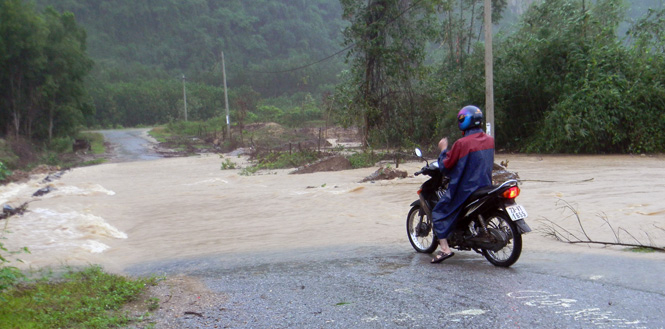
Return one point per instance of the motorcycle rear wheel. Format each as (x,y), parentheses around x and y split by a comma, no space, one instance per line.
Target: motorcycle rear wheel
(509,254)
(420,232)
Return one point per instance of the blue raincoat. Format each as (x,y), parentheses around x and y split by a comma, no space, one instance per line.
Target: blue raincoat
(469,166)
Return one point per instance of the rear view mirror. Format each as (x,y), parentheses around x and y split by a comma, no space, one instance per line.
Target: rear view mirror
(419,153)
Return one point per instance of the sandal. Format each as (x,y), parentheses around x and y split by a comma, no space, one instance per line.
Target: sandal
(440,257)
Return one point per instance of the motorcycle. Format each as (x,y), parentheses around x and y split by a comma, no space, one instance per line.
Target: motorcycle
(491,223)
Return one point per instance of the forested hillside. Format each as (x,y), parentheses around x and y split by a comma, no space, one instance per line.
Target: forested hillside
(142,49)
(156,38)
(570,75)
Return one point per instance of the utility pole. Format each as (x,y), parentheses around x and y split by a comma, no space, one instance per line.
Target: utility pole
(226,100)
(184,95)
(489,71)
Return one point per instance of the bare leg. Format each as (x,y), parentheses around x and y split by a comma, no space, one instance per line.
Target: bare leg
(445,252)
(443,243)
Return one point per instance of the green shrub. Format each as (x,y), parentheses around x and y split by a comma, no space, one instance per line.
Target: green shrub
(96,141)
(281,160)
(364,159)
(60,144)
(9,275)
(268,113)
(51,159)
(4,171)
(7,155)
(228,164)
(248,171)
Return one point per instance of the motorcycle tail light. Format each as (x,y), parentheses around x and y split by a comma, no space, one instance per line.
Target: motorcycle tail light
(420,191)
(511,193)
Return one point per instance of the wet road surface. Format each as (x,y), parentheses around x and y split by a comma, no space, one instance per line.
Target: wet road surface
(131,144)
(393,287)
(390,286)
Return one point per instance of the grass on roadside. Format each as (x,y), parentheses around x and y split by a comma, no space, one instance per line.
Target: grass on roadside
(94,162)
(281,160)
(364,159)
(89,298)
(159,133)
(96,141)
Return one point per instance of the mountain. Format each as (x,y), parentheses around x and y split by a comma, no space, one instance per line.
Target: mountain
(167,38)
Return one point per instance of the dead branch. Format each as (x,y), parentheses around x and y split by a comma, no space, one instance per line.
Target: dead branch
(8,211)
(632,236)
(604,218)
(562,234)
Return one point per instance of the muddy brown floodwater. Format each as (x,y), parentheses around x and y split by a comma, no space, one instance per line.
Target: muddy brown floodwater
(122,214)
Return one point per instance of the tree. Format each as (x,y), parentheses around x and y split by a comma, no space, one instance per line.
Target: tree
(22,38)
(387,41)
(566,83)
(461,25)
(42,66)
(68,64)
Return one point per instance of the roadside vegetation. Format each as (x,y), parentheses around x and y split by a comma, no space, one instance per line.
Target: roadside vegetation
(81,298)
(285,159)
(19,157)
(572,76)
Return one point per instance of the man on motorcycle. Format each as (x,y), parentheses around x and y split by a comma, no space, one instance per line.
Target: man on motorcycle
(469,167)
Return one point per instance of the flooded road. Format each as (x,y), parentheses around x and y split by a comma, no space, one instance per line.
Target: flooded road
(187,216)
(120,214)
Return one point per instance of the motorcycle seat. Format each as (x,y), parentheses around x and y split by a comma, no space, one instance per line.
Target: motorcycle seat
(481,192)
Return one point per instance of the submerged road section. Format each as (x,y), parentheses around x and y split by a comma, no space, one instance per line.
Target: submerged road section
(131,144)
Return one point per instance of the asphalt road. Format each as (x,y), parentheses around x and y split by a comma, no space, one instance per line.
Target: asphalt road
(131,144)
(369,286)
(394,287)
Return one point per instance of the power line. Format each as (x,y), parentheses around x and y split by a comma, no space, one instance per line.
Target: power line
(310,64)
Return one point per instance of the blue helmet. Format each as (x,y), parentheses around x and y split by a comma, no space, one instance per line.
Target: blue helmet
(469,117)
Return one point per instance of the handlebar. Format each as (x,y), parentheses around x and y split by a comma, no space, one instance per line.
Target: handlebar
(427,170)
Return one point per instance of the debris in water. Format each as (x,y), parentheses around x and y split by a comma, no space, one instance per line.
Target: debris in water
(8,211)
(385,173)
(500,174)
(53,176)
(44,190)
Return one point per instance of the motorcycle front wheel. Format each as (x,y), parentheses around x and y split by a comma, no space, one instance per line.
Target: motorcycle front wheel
(420,232)
(509,254)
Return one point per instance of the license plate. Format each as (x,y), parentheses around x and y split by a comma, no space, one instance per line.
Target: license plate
(516,212)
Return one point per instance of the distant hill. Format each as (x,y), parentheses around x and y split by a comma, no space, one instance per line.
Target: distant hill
(172,37)
(263,40)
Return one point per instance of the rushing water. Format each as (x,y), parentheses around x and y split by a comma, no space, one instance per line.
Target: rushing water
(119,214)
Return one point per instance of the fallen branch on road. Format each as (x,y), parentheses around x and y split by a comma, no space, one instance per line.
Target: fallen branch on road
(562,234)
